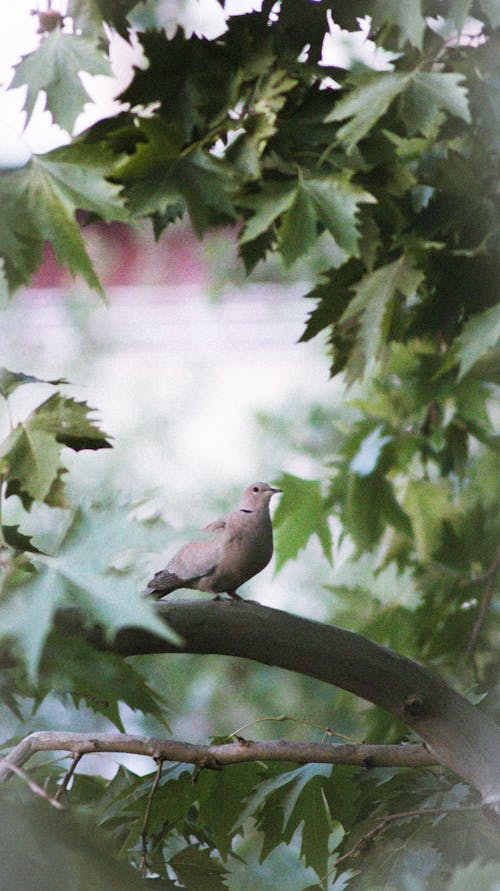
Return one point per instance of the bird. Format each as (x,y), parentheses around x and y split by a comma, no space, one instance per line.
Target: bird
(239,547)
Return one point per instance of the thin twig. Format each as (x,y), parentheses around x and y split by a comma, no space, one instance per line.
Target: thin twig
(382,822)
(76,758)
(31,783)
(144,833)
(326,731)
(488,577)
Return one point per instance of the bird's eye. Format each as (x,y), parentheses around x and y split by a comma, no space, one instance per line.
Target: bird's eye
(255,489)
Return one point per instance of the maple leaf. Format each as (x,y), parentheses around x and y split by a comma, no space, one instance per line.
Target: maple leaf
(54,68)
(372,308)
(299,516)
(299,207)
(479,335)
(82,571)
(39,205)
(29,456)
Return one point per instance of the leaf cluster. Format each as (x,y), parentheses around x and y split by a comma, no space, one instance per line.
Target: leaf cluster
(75,555)
(204,830)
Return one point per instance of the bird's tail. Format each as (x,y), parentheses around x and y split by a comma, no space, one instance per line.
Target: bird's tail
(163,583)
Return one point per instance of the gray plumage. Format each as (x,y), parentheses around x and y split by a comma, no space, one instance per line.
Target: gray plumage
(240,546)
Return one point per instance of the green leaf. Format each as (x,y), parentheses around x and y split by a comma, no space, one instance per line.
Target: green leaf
(333,292)
(54,68)
(491,9)
(429,92)
(268,204)
(172,801)
(365,104)
(479,334)
(477,874)
(406,16)
(17,540)
(336,202)
(39,204)
(71,424)
(196,868)
(11,380)
(306,803)
(29,456)
(318,827)
(163,172)
(101,680)
(38,597)
(369,506)
(204,183)
(299,515)
(298,229)
(291,798)
(331,200)
(423,95)
(66,852)
(261,123)
(116,13)
(372,308)
(282,869)
(403,863)
(82,572)
(87,557)
(221,795)
(428,505)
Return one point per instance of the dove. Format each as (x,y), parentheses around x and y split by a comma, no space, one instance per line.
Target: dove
(240,546)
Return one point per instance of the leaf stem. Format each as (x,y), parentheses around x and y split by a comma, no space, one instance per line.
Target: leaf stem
(144,833)
(327,731)
(75,759)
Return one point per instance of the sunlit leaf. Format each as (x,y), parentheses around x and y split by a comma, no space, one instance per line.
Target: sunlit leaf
(372,308)
(30,455)
(11,380)
(365,104)
(480,333)
(299,515)
(54,68)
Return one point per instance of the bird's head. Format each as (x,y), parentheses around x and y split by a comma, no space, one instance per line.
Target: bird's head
(257,495)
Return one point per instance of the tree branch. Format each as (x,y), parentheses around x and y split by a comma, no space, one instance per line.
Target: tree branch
(459,735)
(8,766)
(215,756)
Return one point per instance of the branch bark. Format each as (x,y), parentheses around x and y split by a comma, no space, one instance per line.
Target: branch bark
(457,734)
(215,756)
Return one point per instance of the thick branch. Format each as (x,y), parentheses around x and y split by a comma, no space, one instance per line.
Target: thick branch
(459,735)
(215,755)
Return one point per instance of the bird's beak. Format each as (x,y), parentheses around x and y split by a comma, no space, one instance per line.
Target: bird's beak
(275,491)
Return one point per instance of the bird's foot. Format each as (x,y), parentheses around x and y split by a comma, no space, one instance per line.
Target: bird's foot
(231,595)
(234,595)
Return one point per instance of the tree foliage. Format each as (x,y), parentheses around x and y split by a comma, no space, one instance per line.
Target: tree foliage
(393,163)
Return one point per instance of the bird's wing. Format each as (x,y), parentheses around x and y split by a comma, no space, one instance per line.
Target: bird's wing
(217,526)
(196,559)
